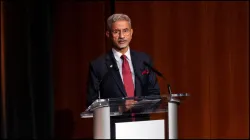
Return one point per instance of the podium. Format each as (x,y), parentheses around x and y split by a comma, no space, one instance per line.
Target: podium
(103,109)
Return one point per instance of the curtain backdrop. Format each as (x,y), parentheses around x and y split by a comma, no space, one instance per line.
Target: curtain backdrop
(28,74)
(201,47)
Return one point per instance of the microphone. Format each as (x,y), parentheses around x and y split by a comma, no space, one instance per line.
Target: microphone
(159,74)
(98,88)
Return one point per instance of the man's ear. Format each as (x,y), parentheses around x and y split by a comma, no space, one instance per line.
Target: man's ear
(107,34)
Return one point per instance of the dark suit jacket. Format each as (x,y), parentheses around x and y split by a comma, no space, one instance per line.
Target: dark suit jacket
(104,76)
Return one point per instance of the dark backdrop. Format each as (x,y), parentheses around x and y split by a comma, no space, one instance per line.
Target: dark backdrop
(27,101)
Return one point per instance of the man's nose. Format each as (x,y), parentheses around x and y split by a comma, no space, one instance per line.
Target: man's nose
(121,35)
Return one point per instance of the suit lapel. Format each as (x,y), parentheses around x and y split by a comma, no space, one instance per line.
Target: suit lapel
(137,67)
(111,62)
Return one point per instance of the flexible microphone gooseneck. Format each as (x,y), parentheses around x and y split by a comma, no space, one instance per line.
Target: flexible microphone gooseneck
(159,74)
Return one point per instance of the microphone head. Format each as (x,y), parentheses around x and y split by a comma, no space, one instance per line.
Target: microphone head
(156,71)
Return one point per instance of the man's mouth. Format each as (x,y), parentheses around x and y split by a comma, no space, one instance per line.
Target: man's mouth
(122,41)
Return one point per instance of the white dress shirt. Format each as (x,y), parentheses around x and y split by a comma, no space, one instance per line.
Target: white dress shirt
(119,61)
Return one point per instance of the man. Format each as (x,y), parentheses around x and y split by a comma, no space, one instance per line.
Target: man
(121,72)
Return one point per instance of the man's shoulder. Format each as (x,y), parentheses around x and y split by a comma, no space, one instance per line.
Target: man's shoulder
(99,59)
(141,55)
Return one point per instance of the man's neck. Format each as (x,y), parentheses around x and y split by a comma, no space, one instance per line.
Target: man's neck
(122,51)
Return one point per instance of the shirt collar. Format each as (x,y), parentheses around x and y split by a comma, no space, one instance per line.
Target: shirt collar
(118,55)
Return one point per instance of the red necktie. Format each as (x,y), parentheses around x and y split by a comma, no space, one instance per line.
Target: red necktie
(127,77)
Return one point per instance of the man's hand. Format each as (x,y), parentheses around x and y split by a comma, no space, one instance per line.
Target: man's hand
(128,105)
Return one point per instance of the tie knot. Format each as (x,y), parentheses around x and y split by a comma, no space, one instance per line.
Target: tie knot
(123,57)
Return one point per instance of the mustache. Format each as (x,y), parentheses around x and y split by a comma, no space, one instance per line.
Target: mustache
(122,40)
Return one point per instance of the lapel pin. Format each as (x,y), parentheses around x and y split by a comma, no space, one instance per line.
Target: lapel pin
(111,66)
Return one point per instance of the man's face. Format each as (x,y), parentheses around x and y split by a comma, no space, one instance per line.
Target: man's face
(120,34)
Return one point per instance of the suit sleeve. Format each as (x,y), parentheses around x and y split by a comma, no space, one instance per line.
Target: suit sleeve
(92,89)
(153,86)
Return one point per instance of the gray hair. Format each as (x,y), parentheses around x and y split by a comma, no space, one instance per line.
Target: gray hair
(116,17)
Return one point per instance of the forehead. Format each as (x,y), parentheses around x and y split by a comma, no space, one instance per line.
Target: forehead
(120,24)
